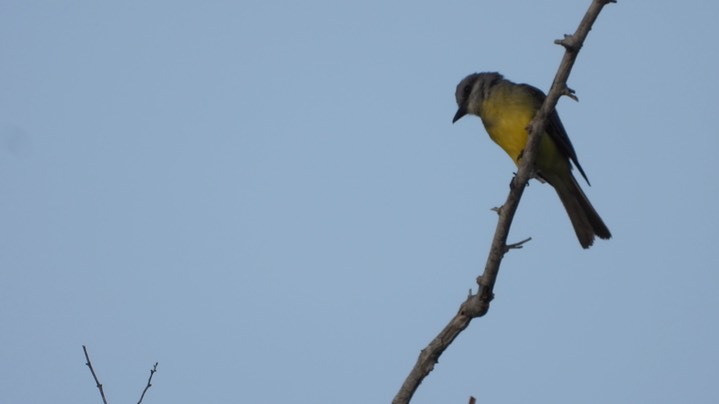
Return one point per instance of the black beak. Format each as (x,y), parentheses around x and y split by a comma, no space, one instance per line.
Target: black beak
(462,111)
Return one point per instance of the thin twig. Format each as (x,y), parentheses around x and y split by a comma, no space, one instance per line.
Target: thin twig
(477,305)
(149,382)
(97,382)
(517,245)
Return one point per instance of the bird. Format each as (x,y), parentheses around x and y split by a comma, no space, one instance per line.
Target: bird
(506,109)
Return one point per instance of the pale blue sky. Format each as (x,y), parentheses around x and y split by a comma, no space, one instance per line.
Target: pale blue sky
(269,199)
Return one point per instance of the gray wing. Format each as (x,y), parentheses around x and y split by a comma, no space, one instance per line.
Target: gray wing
(556,131)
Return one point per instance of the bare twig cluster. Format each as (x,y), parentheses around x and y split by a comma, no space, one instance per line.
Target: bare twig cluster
(477,305)
(99,385)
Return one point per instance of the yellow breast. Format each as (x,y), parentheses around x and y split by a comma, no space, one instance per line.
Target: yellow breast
(506,113)
(506,122)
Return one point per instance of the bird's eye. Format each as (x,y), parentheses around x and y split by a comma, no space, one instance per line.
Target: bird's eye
(467,89)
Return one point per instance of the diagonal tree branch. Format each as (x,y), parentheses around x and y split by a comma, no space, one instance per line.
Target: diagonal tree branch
(477,305)
(149,382)
(97,382)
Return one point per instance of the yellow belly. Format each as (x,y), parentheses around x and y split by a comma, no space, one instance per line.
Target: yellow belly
(508,128)
(506,116)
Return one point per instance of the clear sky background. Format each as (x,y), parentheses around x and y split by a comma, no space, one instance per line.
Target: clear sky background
(269,199)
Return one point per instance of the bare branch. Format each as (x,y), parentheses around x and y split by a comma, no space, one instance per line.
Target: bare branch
(477,305)
(570,93)
(149,382)
(97,382)
(99,385)
(517,245)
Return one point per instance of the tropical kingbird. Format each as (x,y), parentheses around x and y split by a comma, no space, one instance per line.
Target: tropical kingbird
(506,109)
